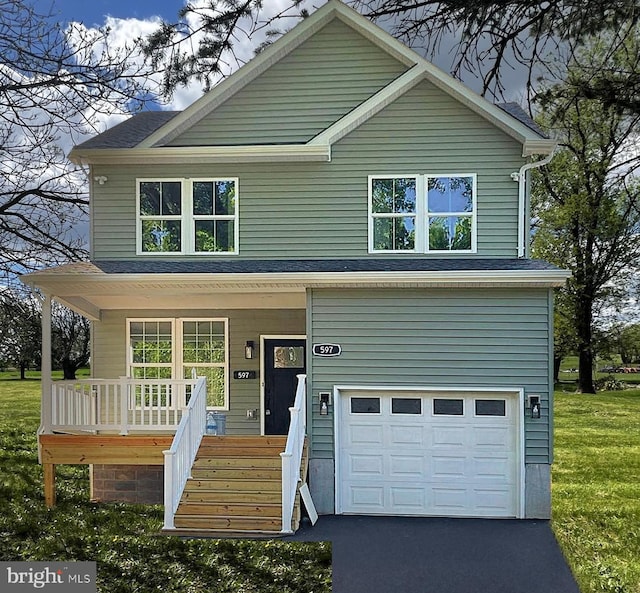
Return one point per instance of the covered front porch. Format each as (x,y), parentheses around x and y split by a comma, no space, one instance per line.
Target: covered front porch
(167,349)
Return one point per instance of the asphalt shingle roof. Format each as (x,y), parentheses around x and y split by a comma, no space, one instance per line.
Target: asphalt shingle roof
(319,265)
(514,110)
(130,132)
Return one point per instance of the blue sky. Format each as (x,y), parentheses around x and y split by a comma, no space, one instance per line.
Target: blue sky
(93,12)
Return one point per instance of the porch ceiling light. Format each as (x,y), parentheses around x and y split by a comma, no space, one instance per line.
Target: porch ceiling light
(248,349)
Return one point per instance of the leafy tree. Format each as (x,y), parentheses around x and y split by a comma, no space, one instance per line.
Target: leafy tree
(20,328)
(70,340)
(54,82)
(210,32)
(587,201)
(627,343)
(490,37)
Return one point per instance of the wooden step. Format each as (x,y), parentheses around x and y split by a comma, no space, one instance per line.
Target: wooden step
(243,473)
(236,488)
(233,523)
(237,485)
(237,462)
(212,509)
(244,451)
(217,496)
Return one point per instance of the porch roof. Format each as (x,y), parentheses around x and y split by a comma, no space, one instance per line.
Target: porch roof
(90,287)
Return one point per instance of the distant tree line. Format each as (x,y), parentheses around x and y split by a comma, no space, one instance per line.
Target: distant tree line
(21,335)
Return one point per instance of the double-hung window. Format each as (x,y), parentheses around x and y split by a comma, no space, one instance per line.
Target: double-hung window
(187,216)
(180,349)
(422,213)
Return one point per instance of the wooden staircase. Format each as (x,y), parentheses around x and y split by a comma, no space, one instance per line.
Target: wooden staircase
(236,488)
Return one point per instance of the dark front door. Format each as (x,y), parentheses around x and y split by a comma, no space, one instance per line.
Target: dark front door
(283,361)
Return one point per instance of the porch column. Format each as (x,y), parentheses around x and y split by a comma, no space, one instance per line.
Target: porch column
(46,410)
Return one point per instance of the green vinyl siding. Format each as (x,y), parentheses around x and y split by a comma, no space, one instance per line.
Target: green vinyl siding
(468,338)
(109,350)
(322,80)
(321,208)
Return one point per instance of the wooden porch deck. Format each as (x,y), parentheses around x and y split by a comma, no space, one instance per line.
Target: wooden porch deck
(71,449)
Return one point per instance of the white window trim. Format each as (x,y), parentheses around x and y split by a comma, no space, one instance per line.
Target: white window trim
(187,218)
(177,362)
(422,216)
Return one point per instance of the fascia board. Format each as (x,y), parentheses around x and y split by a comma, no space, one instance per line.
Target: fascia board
(541,146)
(202,154)
(370,107)
(541,278)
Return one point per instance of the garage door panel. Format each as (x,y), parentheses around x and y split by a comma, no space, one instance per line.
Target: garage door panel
(366,498)
(410,500)
(407,465)
(419,462)
(447,437)
(446,467)
(493,468)
(406,435)
(366,434)
(492,437)
(366,465)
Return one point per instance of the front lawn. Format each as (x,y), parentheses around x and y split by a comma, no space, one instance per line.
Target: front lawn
(596,488)
(121,538)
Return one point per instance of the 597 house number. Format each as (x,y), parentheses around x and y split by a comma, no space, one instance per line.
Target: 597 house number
(327,350)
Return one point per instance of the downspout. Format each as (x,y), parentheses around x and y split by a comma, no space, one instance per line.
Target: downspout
(522,179)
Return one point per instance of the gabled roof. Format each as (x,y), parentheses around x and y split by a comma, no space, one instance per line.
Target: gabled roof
(151,148)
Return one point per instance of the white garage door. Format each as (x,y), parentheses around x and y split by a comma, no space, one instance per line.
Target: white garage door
(445,454)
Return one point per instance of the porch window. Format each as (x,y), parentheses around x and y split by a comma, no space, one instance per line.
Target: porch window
(181,216)
(422,213)
(182,349)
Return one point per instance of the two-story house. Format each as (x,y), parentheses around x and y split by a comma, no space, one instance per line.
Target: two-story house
(340,209)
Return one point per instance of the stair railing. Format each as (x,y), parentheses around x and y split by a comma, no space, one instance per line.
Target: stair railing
(178,460)
(292,455)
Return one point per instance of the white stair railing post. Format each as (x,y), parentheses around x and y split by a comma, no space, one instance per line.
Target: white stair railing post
(292,456)
(124,406)
(169,460)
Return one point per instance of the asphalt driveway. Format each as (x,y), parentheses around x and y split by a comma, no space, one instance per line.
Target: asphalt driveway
(425,555)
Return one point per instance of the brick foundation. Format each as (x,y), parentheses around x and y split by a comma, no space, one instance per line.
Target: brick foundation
(142,484)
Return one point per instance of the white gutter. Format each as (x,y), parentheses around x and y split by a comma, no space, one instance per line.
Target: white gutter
(522,178)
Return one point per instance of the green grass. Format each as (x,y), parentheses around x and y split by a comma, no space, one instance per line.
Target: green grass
(596,488)
(121,538)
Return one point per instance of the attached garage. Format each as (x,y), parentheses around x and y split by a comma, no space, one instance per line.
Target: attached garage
(413,451)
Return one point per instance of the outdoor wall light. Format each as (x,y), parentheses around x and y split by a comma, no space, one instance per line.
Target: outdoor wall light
(101,179)
(325,399)
(534,404)
(248,349)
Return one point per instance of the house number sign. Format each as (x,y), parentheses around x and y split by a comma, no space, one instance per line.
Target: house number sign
(327,349)
(244,374)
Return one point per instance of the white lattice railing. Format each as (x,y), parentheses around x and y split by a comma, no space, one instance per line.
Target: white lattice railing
(292,455)
(121,405)
(179,459)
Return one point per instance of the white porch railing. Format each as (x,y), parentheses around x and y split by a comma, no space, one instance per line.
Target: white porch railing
(179,459)
(292,455)
(121,405)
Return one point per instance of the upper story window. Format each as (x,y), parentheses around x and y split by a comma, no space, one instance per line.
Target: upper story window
(422,214)
(179,216)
